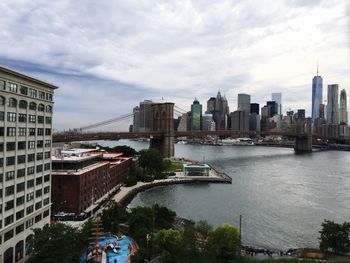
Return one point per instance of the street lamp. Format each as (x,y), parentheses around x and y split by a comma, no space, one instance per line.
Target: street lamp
(148,238)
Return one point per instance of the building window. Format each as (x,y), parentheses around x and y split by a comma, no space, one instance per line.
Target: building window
(11,131)
(46,189)
(30,209)
(47,154)
(2,101)
(48,109)
(47,166)
(10,175)
(39,168)
(20,200)
(39,144)
(20,228)
(47,178)
(41,107)
(48,120)
(11,116)
(2,85)
(2,115)
(21,159)
(46,213)
(21,145)
(32,118)
(40,119)
(21,173)
(19,214)
(38,181)
(40,131)
(23,104)
(49,96)
(47,131)
(38,218)
(31,145)
(24,90)
(31,131)
(30,170)
(38,193)
(22,117)
(12,87)
(8,235)
(10,160)
(8,220)
(32,93)
(10,190)
(20,187)
(10,146)
(38,205)
(32,106)
(47,143)
(39,156)
(22,132)
(12,103)
(30,196)
(31,157)
(9,205)
(41,95)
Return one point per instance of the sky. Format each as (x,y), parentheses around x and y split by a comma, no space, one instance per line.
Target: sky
(106,56)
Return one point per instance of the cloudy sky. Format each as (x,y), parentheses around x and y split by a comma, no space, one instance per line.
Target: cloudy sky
(108,55)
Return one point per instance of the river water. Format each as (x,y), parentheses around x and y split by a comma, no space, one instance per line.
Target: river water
(283,197)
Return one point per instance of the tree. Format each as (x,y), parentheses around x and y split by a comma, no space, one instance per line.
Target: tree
(112,216)
(223,242)
(58,243)
(151,161)
(204,230)
(168,243)
(335,237)
(126,150)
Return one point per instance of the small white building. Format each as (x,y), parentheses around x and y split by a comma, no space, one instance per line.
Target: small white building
(199,169)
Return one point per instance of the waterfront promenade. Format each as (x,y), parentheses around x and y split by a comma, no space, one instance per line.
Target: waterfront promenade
(126,194)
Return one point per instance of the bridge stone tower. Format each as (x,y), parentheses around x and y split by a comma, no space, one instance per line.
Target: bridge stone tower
(303,132)
(163,135)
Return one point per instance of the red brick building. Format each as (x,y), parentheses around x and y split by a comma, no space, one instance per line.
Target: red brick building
(80,177)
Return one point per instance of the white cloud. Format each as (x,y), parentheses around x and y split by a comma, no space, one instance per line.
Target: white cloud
(176,49)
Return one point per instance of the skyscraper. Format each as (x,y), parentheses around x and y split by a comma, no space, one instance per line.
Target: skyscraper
(316,96)
(277,97)
(145,116)
(343,114)
(136,119)
(254,108)
(26,105)
(196,115)
(332,104)
(273,108)
(244,102)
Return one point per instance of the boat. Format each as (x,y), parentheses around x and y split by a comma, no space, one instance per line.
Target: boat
(181,142)
(238,141)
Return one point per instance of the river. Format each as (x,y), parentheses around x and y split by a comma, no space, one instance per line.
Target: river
(283,197)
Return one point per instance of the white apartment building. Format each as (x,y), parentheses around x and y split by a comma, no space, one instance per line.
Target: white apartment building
(26,105)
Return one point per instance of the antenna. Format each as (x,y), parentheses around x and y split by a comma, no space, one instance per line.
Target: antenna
(317,67)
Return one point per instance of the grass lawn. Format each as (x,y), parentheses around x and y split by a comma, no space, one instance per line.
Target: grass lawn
(176,166)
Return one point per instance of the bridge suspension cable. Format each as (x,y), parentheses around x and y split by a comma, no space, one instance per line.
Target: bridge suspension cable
(106,122)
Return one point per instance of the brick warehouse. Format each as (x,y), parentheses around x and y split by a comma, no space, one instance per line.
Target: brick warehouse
(80,177)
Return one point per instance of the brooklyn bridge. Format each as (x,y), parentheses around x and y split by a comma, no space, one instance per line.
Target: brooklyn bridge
(162,133)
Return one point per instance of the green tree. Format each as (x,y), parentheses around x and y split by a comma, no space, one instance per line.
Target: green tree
(223,243)
(126,150)
(112,216)
(163,217)
(168,242)
(335,237)
(151,161)
(58,243)
(203,230)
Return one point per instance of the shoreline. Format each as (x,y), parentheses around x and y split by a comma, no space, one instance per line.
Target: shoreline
(127,194)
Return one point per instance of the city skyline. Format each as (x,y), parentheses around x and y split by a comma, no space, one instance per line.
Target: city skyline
(117,54)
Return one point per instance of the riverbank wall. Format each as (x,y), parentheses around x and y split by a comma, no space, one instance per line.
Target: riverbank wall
(127,194)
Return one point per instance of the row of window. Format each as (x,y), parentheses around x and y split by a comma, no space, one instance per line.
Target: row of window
(26,131)
(13,87)
(28,224)
(20,214)
(12,117)
(10,175)
(22,158)
(22,104)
